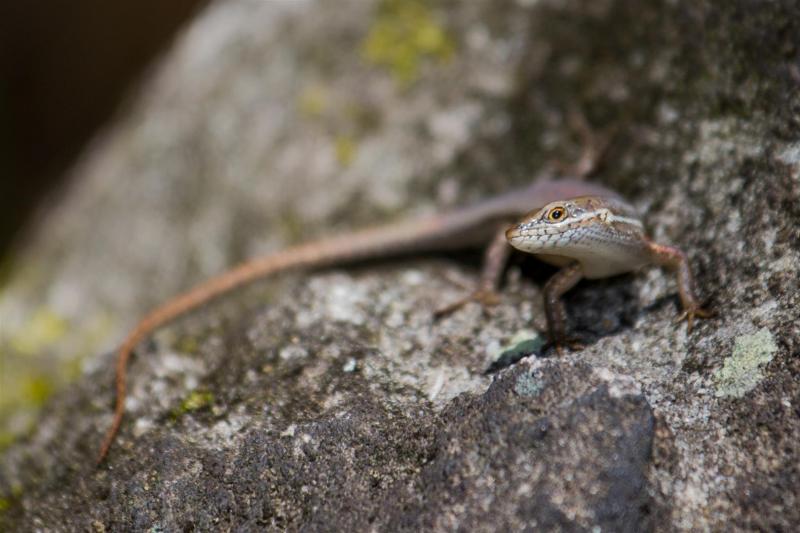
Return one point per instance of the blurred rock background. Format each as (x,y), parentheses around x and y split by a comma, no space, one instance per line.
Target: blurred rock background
(65,69)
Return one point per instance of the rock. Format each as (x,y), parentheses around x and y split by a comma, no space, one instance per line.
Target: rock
(332,400)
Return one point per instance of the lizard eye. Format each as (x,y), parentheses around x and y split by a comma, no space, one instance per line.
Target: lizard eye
(557,213)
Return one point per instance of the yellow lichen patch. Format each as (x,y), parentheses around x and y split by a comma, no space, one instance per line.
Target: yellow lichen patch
(312,102)
(345,150)
(44,329)
(24,390)
(21,396)
(404,34)
(37,390)
(188,344)
(29,372)
(195,401)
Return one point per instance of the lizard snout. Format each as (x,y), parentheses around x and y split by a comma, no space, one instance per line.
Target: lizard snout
(512,232)
(517,236)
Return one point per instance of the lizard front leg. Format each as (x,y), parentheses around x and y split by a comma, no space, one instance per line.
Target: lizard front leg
(495,258)
(675,259)
(554,310)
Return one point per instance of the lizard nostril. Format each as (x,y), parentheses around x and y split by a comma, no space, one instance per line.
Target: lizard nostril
(512,232)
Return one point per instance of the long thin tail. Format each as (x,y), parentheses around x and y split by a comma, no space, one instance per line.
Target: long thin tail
(359,245)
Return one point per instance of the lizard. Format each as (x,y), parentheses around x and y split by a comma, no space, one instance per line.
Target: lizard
(586,229)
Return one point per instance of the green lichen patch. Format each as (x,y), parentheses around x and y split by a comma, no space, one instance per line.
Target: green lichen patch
(195,401)
(523,344)
(21,396)
(345,150)
(28,377)
(44,329)
(404,34)
(188,344)
(38,389)
(313,101)
(741,372)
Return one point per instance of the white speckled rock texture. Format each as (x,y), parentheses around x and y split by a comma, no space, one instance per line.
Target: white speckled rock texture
(331,401)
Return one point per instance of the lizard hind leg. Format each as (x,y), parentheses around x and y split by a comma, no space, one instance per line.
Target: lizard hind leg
(594,146)
(494,262)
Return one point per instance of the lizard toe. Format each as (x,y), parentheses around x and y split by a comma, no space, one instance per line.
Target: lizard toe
(484,297)
(690,314)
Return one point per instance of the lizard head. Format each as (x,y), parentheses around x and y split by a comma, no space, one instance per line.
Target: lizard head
(572,225)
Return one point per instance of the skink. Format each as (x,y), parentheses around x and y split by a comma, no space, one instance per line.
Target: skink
(585,228)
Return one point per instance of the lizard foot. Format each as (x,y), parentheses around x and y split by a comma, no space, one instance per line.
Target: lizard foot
(485,297)
(566,343)
(691,313)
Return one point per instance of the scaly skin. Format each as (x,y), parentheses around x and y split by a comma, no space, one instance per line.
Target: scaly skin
(595,237)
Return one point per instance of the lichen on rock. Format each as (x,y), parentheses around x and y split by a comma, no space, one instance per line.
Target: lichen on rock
(742,370)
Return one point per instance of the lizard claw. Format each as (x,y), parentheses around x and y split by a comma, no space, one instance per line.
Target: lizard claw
(485,297)
(690,314)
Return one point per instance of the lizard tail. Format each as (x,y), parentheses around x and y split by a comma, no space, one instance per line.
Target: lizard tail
(359,245)
(437,231)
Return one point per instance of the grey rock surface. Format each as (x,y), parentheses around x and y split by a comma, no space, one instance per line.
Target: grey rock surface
(331,400)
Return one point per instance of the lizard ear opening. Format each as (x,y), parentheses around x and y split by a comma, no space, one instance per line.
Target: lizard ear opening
(556,214)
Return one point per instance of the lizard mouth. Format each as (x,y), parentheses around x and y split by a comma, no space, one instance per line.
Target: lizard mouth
(519,236)
(531,238)
(512,233)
